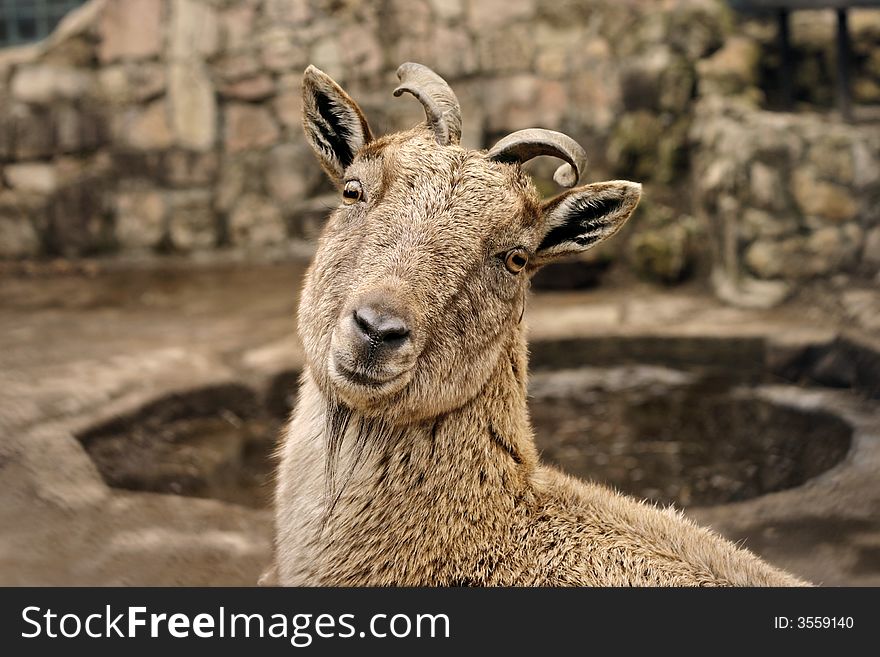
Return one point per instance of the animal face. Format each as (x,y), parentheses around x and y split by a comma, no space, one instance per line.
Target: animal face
(421,274)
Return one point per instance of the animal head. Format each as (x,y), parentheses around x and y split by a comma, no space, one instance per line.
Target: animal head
(420,277)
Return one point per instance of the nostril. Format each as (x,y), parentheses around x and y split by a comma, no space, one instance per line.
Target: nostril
(380,326)
(363,323)
(395,334)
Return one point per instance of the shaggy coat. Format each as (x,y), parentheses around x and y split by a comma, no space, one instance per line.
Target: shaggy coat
(409,459)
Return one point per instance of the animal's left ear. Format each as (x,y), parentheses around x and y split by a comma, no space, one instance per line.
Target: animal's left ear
(584,216)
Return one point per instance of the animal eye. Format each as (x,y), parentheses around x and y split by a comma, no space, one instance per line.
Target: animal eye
(352,192)
(515,260)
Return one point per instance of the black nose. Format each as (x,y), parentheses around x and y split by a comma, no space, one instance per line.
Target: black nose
(380,326)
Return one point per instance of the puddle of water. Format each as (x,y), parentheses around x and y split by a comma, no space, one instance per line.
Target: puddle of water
(655,433)
(215,442)
(691,442)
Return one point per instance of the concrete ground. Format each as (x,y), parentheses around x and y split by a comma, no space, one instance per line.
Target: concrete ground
(79,347)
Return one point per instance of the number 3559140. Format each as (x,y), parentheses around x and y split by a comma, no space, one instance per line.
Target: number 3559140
(824,622)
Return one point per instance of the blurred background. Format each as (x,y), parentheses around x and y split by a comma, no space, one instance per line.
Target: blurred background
(159,204)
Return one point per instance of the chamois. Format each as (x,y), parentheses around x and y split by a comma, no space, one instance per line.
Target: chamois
(409,459)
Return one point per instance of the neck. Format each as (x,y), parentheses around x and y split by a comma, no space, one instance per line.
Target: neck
(491,428)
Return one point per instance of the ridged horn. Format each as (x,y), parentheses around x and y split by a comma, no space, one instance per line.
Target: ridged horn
(523,145)
(441,105)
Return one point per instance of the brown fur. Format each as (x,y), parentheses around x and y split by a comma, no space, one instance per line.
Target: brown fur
(431,476)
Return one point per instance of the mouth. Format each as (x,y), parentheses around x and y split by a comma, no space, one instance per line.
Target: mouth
(360,379)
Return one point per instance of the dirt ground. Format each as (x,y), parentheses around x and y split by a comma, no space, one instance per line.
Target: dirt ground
(83,348)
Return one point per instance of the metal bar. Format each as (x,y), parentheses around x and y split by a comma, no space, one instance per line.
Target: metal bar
(4,34)
(41,18)
(11,23)
(31,20)
(844,103)
(787,64)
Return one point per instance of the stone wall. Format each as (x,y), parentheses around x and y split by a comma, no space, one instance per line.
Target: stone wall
(165,126)
(174,125)
(787,197)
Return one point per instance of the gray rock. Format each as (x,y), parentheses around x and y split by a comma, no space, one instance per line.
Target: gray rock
(38,177)
(288,109)
(146,128)
(282,50)
(362,54)
(326,55)
(26,133)
(666,252)
(747,292)
(765,258)
(822,198)
(248,127)
(131,82)
(77,216)
(130,30)
(256,222)
(871,253)
(240,174)
(238,65)
(192,221)
(289,173)
(447,10)
(44,84)
(193,105)
(255,88)
(489,15)
(286,12)
(731,70)
(308,217)
(18,238)
(141,218)
(766,186)
(758,224)
(194,31)
(78,128)
(183,168)
(508,50)
(237,26)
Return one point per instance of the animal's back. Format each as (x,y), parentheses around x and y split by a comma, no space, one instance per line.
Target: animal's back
(588,534)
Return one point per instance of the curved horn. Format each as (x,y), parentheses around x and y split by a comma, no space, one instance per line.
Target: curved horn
(523,145)
(441,105)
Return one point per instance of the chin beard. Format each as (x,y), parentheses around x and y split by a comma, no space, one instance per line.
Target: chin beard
(369,435)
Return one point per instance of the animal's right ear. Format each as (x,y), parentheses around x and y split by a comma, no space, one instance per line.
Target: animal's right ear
(334,124)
